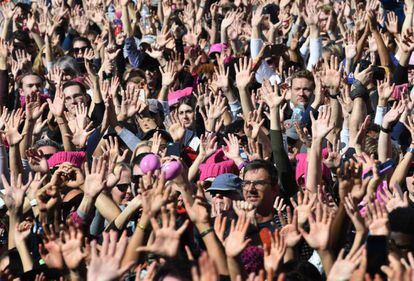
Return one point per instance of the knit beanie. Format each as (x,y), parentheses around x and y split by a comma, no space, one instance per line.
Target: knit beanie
(217,164)
(76,158)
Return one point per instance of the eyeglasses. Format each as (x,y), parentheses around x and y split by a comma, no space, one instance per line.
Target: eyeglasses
(259,184)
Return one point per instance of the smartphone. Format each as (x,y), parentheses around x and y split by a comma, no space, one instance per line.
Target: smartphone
(399,90)
(173,149)
(383,168)
(378,72)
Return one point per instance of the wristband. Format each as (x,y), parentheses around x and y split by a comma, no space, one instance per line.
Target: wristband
(207,231)
(410,150)
(387,131)
(33,202)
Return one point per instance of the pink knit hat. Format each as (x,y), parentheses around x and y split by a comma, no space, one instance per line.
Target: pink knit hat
(176,96)
(76,158)
(302,166)
(217,164)
(217,48)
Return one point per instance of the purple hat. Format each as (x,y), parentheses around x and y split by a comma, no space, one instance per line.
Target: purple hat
(217,48)
(216,165)
(76,158)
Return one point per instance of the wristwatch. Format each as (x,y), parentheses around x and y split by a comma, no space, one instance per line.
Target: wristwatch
(410,149)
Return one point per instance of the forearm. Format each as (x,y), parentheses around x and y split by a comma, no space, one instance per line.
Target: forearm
(126,215)
(408,21)
(246,102)
(384,144)
(163,94)
(15,160)
(382,49)
(24,254)
(359,239)
(13,221)
(193,170)
(314,170)
(65,132)
(234,268)
(126,22)
(107,207)
(137,239)
(27,137)
(327,260)
(402,169)
(6,26)
(223,35)
(87,204)
(38,39)
(214,249)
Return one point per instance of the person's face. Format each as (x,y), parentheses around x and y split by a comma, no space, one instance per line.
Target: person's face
(4,271)
(301,91)
(79,48)
(122,192)
(73,97)
(146,123)
(186,115)
(222,200)
(258,190)
(150,76)
(48,151)
(31,84)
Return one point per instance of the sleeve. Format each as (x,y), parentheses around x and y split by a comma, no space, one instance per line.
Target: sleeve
(135,56)
(129,139)
(67,42)
(4,164)
(98,113)
(306,120)
(379,114)
(235,108)
(4,89)
(284,168)
(400,75)
(315,46)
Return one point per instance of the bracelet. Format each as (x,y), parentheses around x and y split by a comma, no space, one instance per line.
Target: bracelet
(33,202)
(387,131)
(205,232)
(140,226)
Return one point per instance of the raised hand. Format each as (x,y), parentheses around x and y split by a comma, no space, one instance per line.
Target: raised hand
(168,74)
(207,269)
(220,224)
(332,75)
(321,126)
(22,231)
(208,145)
(304,205)
(71,240)
(50,250)
(95,180)
(344,267)
(232,150)
(255,122)
(320,223)
(80,136)
(130,104)
(15,192)
(273,253)
(392,23)
(37,161)
(167,238)
(289,230)
(271,95)
(394,198)
(244,74)
(58,105)
(176,129)
(245,208)
(311,14)
(353,213)
(12,127)
(106,265)
(377,219)
(385,90)
(393,114)
(351,45)
(154,193)
(334,156)
(222,75)
(236,242)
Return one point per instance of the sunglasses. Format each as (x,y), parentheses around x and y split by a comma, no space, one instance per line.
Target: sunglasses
(81,49)
(123,187)
(135,178)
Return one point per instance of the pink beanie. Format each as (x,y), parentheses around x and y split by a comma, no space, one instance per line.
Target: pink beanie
(76,158)
(302,166)
(176,96)
(217,48)
(217,164)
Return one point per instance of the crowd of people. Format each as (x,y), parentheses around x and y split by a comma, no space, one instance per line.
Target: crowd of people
(206,140)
